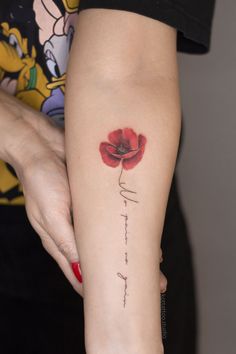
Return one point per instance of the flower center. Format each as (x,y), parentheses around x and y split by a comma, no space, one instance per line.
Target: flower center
(121,149)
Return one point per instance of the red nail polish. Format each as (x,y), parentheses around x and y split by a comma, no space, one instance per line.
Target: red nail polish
(77,271)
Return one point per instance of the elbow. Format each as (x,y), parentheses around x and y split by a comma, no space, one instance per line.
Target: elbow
(126,73)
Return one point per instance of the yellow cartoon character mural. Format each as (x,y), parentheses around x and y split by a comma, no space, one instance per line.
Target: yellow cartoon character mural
(71,6)
(35,73)
(15,58)
(56,30)
(10,188)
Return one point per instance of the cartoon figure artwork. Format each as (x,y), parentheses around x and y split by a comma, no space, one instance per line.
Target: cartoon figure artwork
(10,187)
(20,74)
(56,31)
(34,49)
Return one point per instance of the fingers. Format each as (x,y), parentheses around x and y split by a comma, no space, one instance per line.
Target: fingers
(163,283)
(64,265)
(57,236)
(61,232)
(60,229)
(50,246)
(163,280)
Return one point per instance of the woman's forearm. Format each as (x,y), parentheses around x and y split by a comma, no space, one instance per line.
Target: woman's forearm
(119,233)
(122,133)
(119,203)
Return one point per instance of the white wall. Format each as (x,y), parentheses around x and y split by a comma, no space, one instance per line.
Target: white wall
(207,178)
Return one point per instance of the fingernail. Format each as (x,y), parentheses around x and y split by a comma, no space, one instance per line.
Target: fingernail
(77,271)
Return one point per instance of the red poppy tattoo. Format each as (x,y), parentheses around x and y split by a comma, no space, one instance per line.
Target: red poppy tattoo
(125,147)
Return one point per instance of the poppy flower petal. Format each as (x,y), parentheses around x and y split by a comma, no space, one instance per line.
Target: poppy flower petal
(130,136)
(128,155)
(115,137)
(107,158)
(133,161)
(111,149)
(141,140)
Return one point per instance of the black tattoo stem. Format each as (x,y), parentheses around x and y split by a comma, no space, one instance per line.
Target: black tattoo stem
(125,190)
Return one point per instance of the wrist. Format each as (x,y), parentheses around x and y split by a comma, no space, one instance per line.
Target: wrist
(113,348)
(23,132)
(120,344)
(21,146)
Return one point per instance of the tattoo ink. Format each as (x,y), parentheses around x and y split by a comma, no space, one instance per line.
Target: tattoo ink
(125,147)
(125,216)
(125,285)
(124,190)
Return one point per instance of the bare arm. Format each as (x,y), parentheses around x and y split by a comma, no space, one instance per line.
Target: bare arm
(34,146)
(122,135)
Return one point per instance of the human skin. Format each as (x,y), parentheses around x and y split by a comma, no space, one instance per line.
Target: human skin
(34,146)
(122,97)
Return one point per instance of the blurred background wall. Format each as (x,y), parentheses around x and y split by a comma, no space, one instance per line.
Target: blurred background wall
(207,179)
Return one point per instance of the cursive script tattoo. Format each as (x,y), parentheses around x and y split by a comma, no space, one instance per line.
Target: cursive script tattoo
(125,287)
(124,190)
(125,147)
(125,216)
